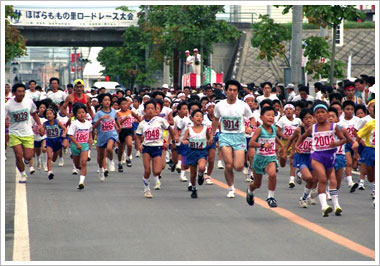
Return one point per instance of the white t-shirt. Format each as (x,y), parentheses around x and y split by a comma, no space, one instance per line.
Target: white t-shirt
(260,98)
(208,123)
(349,125)
(291,96)
(165,112)
(80,131)
(19,113)
(182,124)
(57,97)
(298,98)
(288,127)
(318,95)
(362,121)
(152,131)
(232,115)
(35,96)
(37,136)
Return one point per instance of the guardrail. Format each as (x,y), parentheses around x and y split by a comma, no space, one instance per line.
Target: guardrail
(250,17)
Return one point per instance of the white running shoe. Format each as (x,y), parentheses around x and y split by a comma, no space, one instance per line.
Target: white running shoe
(361,186)
(131,157)
(101,176)
(183,178)
(157,186)
(23,179)
(303,203)
(61,162)
(138,154)
(111,166)
(208,180)
(75,171)
(45,168)
(311,201)
(148,194)
(220,165)
(245,170)
(291,182)
(231,194)
(31,169)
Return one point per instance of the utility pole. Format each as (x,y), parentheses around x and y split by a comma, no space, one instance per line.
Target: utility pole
(269,10)
(75,63)
(146,49)
(296,57)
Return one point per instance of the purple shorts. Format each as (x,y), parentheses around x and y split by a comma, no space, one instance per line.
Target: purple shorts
(327,158)
(6,130)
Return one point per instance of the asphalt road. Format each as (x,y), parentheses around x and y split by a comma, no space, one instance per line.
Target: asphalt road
(112,221)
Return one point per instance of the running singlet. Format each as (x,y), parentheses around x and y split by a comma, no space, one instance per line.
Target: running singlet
(266,137)
(305,146)
(340,149)
(127,117)
(152,131)
(350,125)
(76,100)
(322,139)
(197,140)
(52,131)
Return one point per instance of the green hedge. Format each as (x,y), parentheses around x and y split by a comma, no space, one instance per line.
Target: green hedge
(347,25)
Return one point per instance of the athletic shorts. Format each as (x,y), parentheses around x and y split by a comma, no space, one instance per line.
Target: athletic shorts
(135,126)
(55,143)
(248,140)
(38,144)
(76,152)
(348,148)
(327,158)
(26,142)
(214,141)
(6,131)
(105,144)
(302,160)
(260,162)
(182,149)
(284,142)
(153,151)
(124,133)
(194,155)
(340,161)
(236,141)
(368,156)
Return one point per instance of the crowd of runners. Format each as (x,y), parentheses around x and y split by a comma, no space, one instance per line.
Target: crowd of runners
(240,127)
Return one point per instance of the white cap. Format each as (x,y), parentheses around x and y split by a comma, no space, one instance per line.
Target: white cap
(166,86)
(195,50)
(290,86)
(180,95)
(187,51)
(248,96)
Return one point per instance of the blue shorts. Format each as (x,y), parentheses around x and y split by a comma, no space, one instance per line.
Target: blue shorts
(236,141)
(248,140)
(340,161)
(360,150)
(182,149)
(135,125)
(194,155)
(348,148)
(368,156)
(105,144)
(55,143)
(38,144)
(302,160)
(153,151)
(327,158)
(214,141)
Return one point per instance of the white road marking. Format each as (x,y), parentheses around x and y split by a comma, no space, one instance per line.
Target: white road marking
(21,248)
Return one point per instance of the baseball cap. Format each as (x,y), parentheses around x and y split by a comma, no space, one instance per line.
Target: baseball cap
(78,81)
(290,86)
(195,50)
(187,52)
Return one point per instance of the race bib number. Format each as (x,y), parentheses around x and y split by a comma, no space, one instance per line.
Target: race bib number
(231,124)
(322,140)
(372,138)
(108,125)
(82,136)
(152,134)
(127,122)
(350,131)
(305,146)
(289,130)
(268,151)
(340,150)
(197,143)
(52,132)
(20,116)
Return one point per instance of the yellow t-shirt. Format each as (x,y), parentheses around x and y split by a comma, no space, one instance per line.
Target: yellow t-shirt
(367,133)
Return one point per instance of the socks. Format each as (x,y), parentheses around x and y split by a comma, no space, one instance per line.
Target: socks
(89,153)
(146,184)
(156,179)
(81,179)
(232,188)
(183,173)
(101,170)
(334,197)
(38,159)
(270,194)
(323,200)
(306,193)
(349,180)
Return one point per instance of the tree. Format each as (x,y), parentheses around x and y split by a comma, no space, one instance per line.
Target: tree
(14,42)
(270,38)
